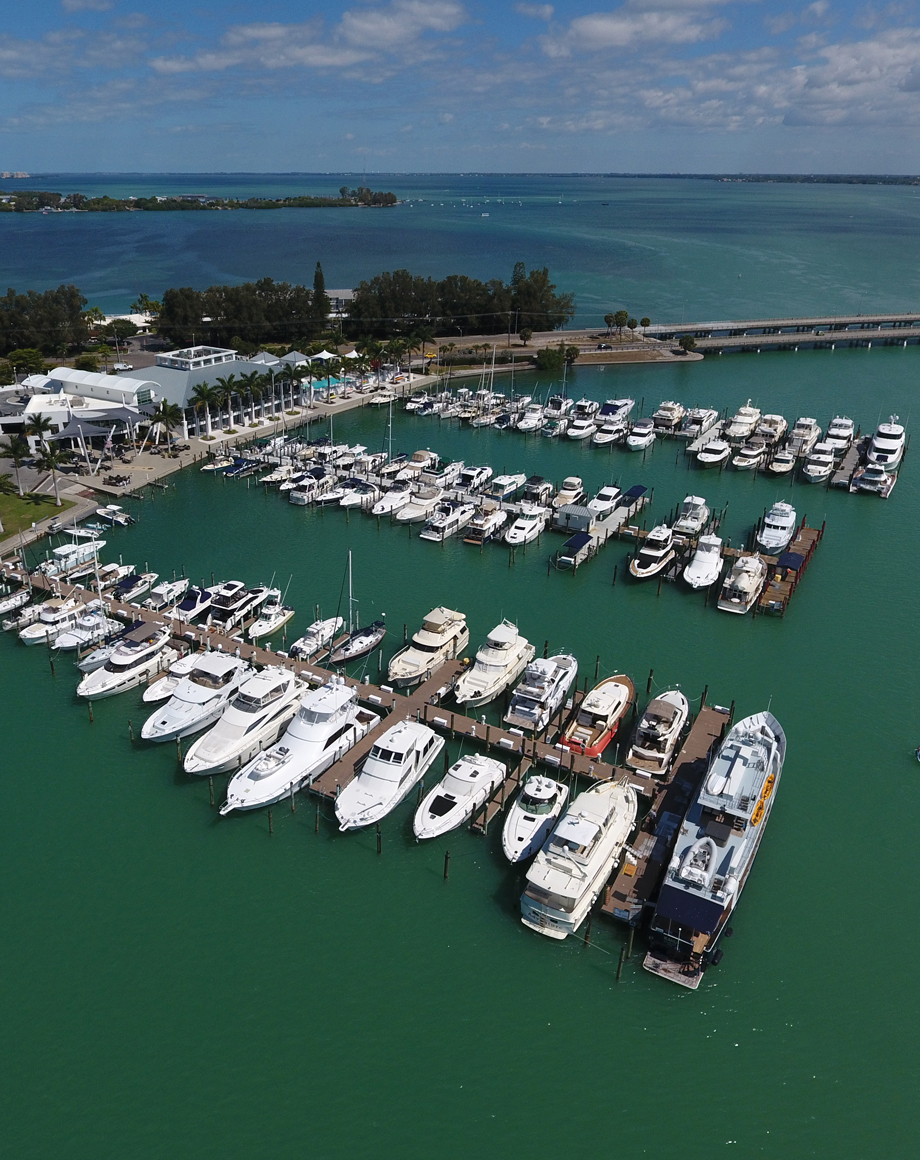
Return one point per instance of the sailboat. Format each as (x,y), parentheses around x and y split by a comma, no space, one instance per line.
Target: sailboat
(360,641)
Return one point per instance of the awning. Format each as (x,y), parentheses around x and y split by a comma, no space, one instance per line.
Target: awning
(688,909)
(324,354)
(74,430)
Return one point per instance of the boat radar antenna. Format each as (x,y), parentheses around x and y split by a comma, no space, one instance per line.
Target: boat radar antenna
(770,702)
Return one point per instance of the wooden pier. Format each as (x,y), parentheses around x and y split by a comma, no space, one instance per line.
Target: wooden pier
(783,578)
(848,464)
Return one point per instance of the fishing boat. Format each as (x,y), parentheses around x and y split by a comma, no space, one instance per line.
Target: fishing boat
(697,421)
(273,615)
(778,528)
(577,859)
(654,742)
(199,698)
(803,436)
(599,716)
(692,517)
(396,763)
(743,585)
(219,463)
(328,723)
(715,850)
(571,492)
(528,525)
(874,478)
(819,464)
(743,423)
(656,552)
(391,501)
(487,523)
(505,487)
(447,518)
(841,432)
(498,664)
(360,641)
(319,636)
(465,787)
(714,454)
(420,506)
(705,567)
(750,455)
(782,462)
(581,429)
(542,692)
(114,515)
(166,594)
(887,447)
(669,416)
(193,604)
(532,816)
(605,502)
(139,655)
(642,435)
(444,635)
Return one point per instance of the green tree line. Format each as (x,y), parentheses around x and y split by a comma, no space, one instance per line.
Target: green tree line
(31,201)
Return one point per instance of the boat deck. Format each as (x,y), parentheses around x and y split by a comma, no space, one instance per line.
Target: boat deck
(848,464)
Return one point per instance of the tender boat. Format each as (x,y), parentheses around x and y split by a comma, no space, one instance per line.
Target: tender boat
(715,850)
(778,528)
(91,628)
(273,615)
(655,740)
(750,455)
(581,429)
(55,615)
(318,636)
(656,552)
(328,723)
(532,816)
(698,421)
(254,719)
(532,419)
(599,716)
(448,518)
(606,500)
(487,523)
(714,454)
(612,431)
(692,517)
(743,424)
(771,429)
(465,787)
(443,636)
(705,567)
(874,479)
(887,447)
(165,595)
(803,436)
(782,462)
(139,655)
(396,763)
(819,464)
(572,491)
(577,859)
(199,699)
(642,436)
(499,662)
(193,604)
(391,501)
(505,487)
(743,584)
(542,692)
(840,434)
(420,506)
(473,478)
(528,525)
(669,417)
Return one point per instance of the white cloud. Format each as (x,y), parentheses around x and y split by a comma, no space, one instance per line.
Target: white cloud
(629,26)
(87,5)
(536,11)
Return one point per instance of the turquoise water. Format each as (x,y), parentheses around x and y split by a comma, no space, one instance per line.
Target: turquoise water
(178,985)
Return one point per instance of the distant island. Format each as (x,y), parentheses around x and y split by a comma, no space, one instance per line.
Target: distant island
(43,201)
(788,178)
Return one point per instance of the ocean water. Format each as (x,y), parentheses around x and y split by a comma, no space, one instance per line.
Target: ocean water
(178,985)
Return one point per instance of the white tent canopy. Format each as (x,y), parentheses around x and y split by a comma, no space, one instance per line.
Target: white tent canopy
(325,354)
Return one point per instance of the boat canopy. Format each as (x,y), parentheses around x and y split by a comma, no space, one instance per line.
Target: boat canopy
(687,909)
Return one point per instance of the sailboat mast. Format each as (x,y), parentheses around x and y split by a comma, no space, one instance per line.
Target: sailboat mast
(351,618)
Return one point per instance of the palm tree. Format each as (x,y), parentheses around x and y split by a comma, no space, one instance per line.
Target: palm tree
(247,383)
(51,459)
(256,394)
(38,427)
(16,449)
(169,416)
(226,387)
(203,397)
(6,488)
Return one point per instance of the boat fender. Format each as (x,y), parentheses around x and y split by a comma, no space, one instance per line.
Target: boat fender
(717,957)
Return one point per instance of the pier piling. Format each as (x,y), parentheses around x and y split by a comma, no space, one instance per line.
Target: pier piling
(620,963)
(379,840)
(271,824)
(648,683)
(90,712)
(130,731)
(211,789)
(446,864)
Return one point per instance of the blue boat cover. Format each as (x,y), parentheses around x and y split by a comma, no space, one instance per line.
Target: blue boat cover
(635,492)
(577,542)
(793,560)
(700,914)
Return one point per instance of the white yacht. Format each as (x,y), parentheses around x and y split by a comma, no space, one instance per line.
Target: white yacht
(318,636)
(528,525)
(577,859)
(420,506)
(465,787)
(418,462)
(778,528)
(692,517)
(448,518)
(487,523)
(656,552)
(131,588)
(750,455)
(391,501)
(499,662)
(55,615)
(803,436)
(91,628)
(558,407)
(139,655)
(642,436)
(109,575)
(273,615)
(743,423)
(163,687)
(606,500)
(233,602)
(782,462)
(532,418)
(887,447)
(581,429)
(743,584)
(819,464)
(532,816)
(15,601)
(542,692)
(443,636)
(69,556)
(360,493)
(473,478)
(166,594)
(505,487)
(655,740)
(572,491)
(714,454)
(611,431)
(254,719)
(615,409)
(698,421)
(840,434)
(705,567)
(538,491)
(199,699)
(771,429)
(669,417)
(328,723)
(396,763)
(599,716)
(873,478)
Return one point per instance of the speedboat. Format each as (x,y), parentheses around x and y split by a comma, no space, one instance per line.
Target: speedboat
(581,429)
(605,501)
(110,574)
(499,662)
(692,517)
(542,692)
(328,723)
(420,507)
(875,479)
(444,477)
(199,698)
(642,436)
(465,787)
(359,493)
(254,719)
(698,421)
(743,423)
(396,763)
(531,816)
(750,455)
(803,436)
(166,594)
(778,528)
(443,636)
(487,523)
(132,588)
(612,431)
(473,478)
(782,462)
(359,643)
(280,474)
(163,687)
(273,615)
(448,518)
(743,584)
(571,492)
(537,490)
(585,409)
(599,716)
(318,636)
(54,616)
(656,553)
(115,515)
(669,416)
(193,604)
(531,419)
(819,464)
(714,454)
(220,463)
(528,525)
(840,434)
(705,567)
(91,628)
(139,655)
(577,859)
(771,429)
(505,487)
(391,501)
(655,739)
(887,446)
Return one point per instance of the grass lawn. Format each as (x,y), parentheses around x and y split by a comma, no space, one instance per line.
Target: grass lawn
(21,513)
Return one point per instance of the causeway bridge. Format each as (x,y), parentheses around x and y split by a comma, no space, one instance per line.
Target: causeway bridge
(826,331)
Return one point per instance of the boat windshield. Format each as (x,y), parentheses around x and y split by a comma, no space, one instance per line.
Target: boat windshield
(211,680)
(535,805)
(314,717)
(378,753)
(247,704)
(417,646)
(549,898)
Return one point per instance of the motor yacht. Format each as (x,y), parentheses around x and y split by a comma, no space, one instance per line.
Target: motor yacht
(571,492)
(528,525)
(465,787)
(705,567)
(874,478)
(692,517)
(581,429)
(391,501)
(612,431)
(606,500)
(499,662)
(743,584)
(273,615)
(65,558)
(193,604)
(743,423)
(538,490)
(558,407)
(396,763)
(542,692)
(506,421)
(782,462)
(254,719)
(487,523)
(840,434)
(473,478)
(654,742)
(443,636)
(360,493)
(714,454)
(697,422)
(280,474)
(819,464)
(15,601)
(531,816)
(102,653)
(585,409)
(771,429)
(615,410)
(803,436)
(301,479)
(669,417)
(166,594)
(420,506)
(311,487)
(750,455)
(599,716)
(445,477)
(532,419)
(139,655)
(91,628)
(577,859)
(887,446)
(163,687)
(553,428)
(505,487)
(55,615)
(642,436)
(328,723)
(656,552)
(199,699)
(132,588)
(778,528)
(448,518)
(233,602)
(109,575)
(418,461)
(318,636)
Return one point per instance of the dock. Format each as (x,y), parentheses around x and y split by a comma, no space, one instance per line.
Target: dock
(848,464)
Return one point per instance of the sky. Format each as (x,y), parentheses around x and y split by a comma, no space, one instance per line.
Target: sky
(461,86)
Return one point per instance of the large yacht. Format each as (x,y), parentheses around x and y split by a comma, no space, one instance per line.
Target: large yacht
(698,421)
(532,418)
(599,716)
(254,719)
(840,434)
(542,692)
(499,662)
(396,763)
(443,636)
(654,742)
(692,517)
(577,858)
(199,699)
(447,518)
(193,604)
(474,478)
(743,423)
(464,788)
(803,436)
(819,464)
(328,723)
(771,429)
(778,528)
(669,416)
(56,615)
(233,602)
(581,429)
(705,567)
(529,524)
(887,446)
(743,584)
(138,656)
(531,816)
(715,850)
(656,553)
